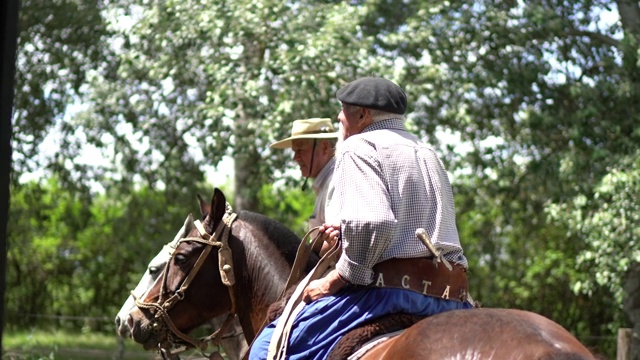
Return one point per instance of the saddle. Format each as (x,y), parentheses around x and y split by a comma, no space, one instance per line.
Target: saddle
(357,338)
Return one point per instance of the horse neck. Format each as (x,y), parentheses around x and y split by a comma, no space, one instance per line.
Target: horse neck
(261,273)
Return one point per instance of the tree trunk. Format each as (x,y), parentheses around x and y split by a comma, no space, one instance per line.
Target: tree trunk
(629,12)
(246,180)
(249,113)
(632,307)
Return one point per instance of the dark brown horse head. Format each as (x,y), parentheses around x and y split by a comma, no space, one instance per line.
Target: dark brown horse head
(149,324)
(192,291)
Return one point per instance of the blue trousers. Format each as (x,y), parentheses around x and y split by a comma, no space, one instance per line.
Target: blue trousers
(323,322)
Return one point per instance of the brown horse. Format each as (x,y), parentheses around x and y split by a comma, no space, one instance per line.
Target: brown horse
(263,251)
(261,261)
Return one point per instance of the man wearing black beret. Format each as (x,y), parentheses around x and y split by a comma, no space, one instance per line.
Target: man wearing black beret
(375,94)
(387,185)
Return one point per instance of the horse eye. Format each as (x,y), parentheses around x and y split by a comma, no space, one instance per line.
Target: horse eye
(180,259)
(153,270)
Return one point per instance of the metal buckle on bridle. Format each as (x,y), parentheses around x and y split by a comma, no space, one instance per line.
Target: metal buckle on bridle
(169,354)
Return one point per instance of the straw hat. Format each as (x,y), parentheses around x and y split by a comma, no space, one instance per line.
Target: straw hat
(315,128)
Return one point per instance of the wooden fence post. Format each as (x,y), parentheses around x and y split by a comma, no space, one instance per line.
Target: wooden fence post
(624,344)
(119,355)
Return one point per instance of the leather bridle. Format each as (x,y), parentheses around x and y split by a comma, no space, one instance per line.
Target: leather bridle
(162,321)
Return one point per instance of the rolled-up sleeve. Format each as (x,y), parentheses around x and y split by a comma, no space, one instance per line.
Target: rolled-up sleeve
(367,220)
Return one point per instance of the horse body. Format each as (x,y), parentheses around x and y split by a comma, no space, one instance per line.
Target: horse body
(234,344)
(487,334)
(263,251)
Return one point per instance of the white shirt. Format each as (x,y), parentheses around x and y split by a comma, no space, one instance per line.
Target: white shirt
(321,188)
(388,184)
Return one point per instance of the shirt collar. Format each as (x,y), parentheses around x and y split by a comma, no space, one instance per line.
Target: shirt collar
(395,124)
(324,175)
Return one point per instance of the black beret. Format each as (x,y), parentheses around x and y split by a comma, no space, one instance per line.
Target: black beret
(374,93)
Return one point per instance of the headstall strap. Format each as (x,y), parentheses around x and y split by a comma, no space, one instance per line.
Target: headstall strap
(225,257)
(225,264)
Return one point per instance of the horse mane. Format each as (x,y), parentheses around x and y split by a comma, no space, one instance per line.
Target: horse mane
(282,237)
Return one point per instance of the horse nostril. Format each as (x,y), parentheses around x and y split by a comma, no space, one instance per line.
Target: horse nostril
(118,321)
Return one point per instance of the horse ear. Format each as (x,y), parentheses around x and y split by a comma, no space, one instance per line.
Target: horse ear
(218,206)
(205,207)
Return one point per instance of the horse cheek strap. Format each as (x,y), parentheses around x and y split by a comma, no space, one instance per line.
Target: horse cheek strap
(225,258)
(226,268)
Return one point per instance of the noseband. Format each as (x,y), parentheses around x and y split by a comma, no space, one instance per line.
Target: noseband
(162,321)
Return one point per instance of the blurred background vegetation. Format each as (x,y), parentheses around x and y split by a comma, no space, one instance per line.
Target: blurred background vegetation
(125,109)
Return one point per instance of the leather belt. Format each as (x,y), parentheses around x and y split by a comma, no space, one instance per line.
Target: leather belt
(424,276)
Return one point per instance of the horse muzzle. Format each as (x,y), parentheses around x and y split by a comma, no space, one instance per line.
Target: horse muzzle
(122,328)
(146,330)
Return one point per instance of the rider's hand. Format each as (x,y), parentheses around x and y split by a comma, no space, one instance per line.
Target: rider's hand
(330,234)
(325,286)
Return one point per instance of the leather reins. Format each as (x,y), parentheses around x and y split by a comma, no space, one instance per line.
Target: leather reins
(162,321)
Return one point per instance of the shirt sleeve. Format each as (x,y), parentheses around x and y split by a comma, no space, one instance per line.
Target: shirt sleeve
(367,220)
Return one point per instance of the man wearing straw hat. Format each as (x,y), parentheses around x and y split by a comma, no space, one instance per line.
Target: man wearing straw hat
(313,142)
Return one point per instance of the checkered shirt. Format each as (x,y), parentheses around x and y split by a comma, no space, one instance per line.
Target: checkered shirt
(388,184)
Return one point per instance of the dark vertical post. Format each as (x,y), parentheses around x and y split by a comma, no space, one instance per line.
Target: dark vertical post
(8,40)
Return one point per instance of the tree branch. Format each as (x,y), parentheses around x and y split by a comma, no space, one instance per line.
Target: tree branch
(597,37)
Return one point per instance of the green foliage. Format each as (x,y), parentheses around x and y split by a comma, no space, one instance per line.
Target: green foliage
(290,207)
(76,256)
(60,43)
(80,256)
(608,225)
(220,79)
(42,224)
(545,96)
(67,345)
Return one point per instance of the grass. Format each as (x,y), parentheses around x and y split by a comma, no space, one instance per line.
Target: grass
(64,345)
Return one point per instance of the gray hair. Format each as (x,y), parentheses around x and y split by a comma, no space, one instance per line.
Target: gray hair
(379,115)
(376,115)
(332,142)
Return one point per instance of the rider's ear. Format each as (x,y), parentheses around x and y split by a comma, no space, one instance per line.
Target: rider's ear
(363,113)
